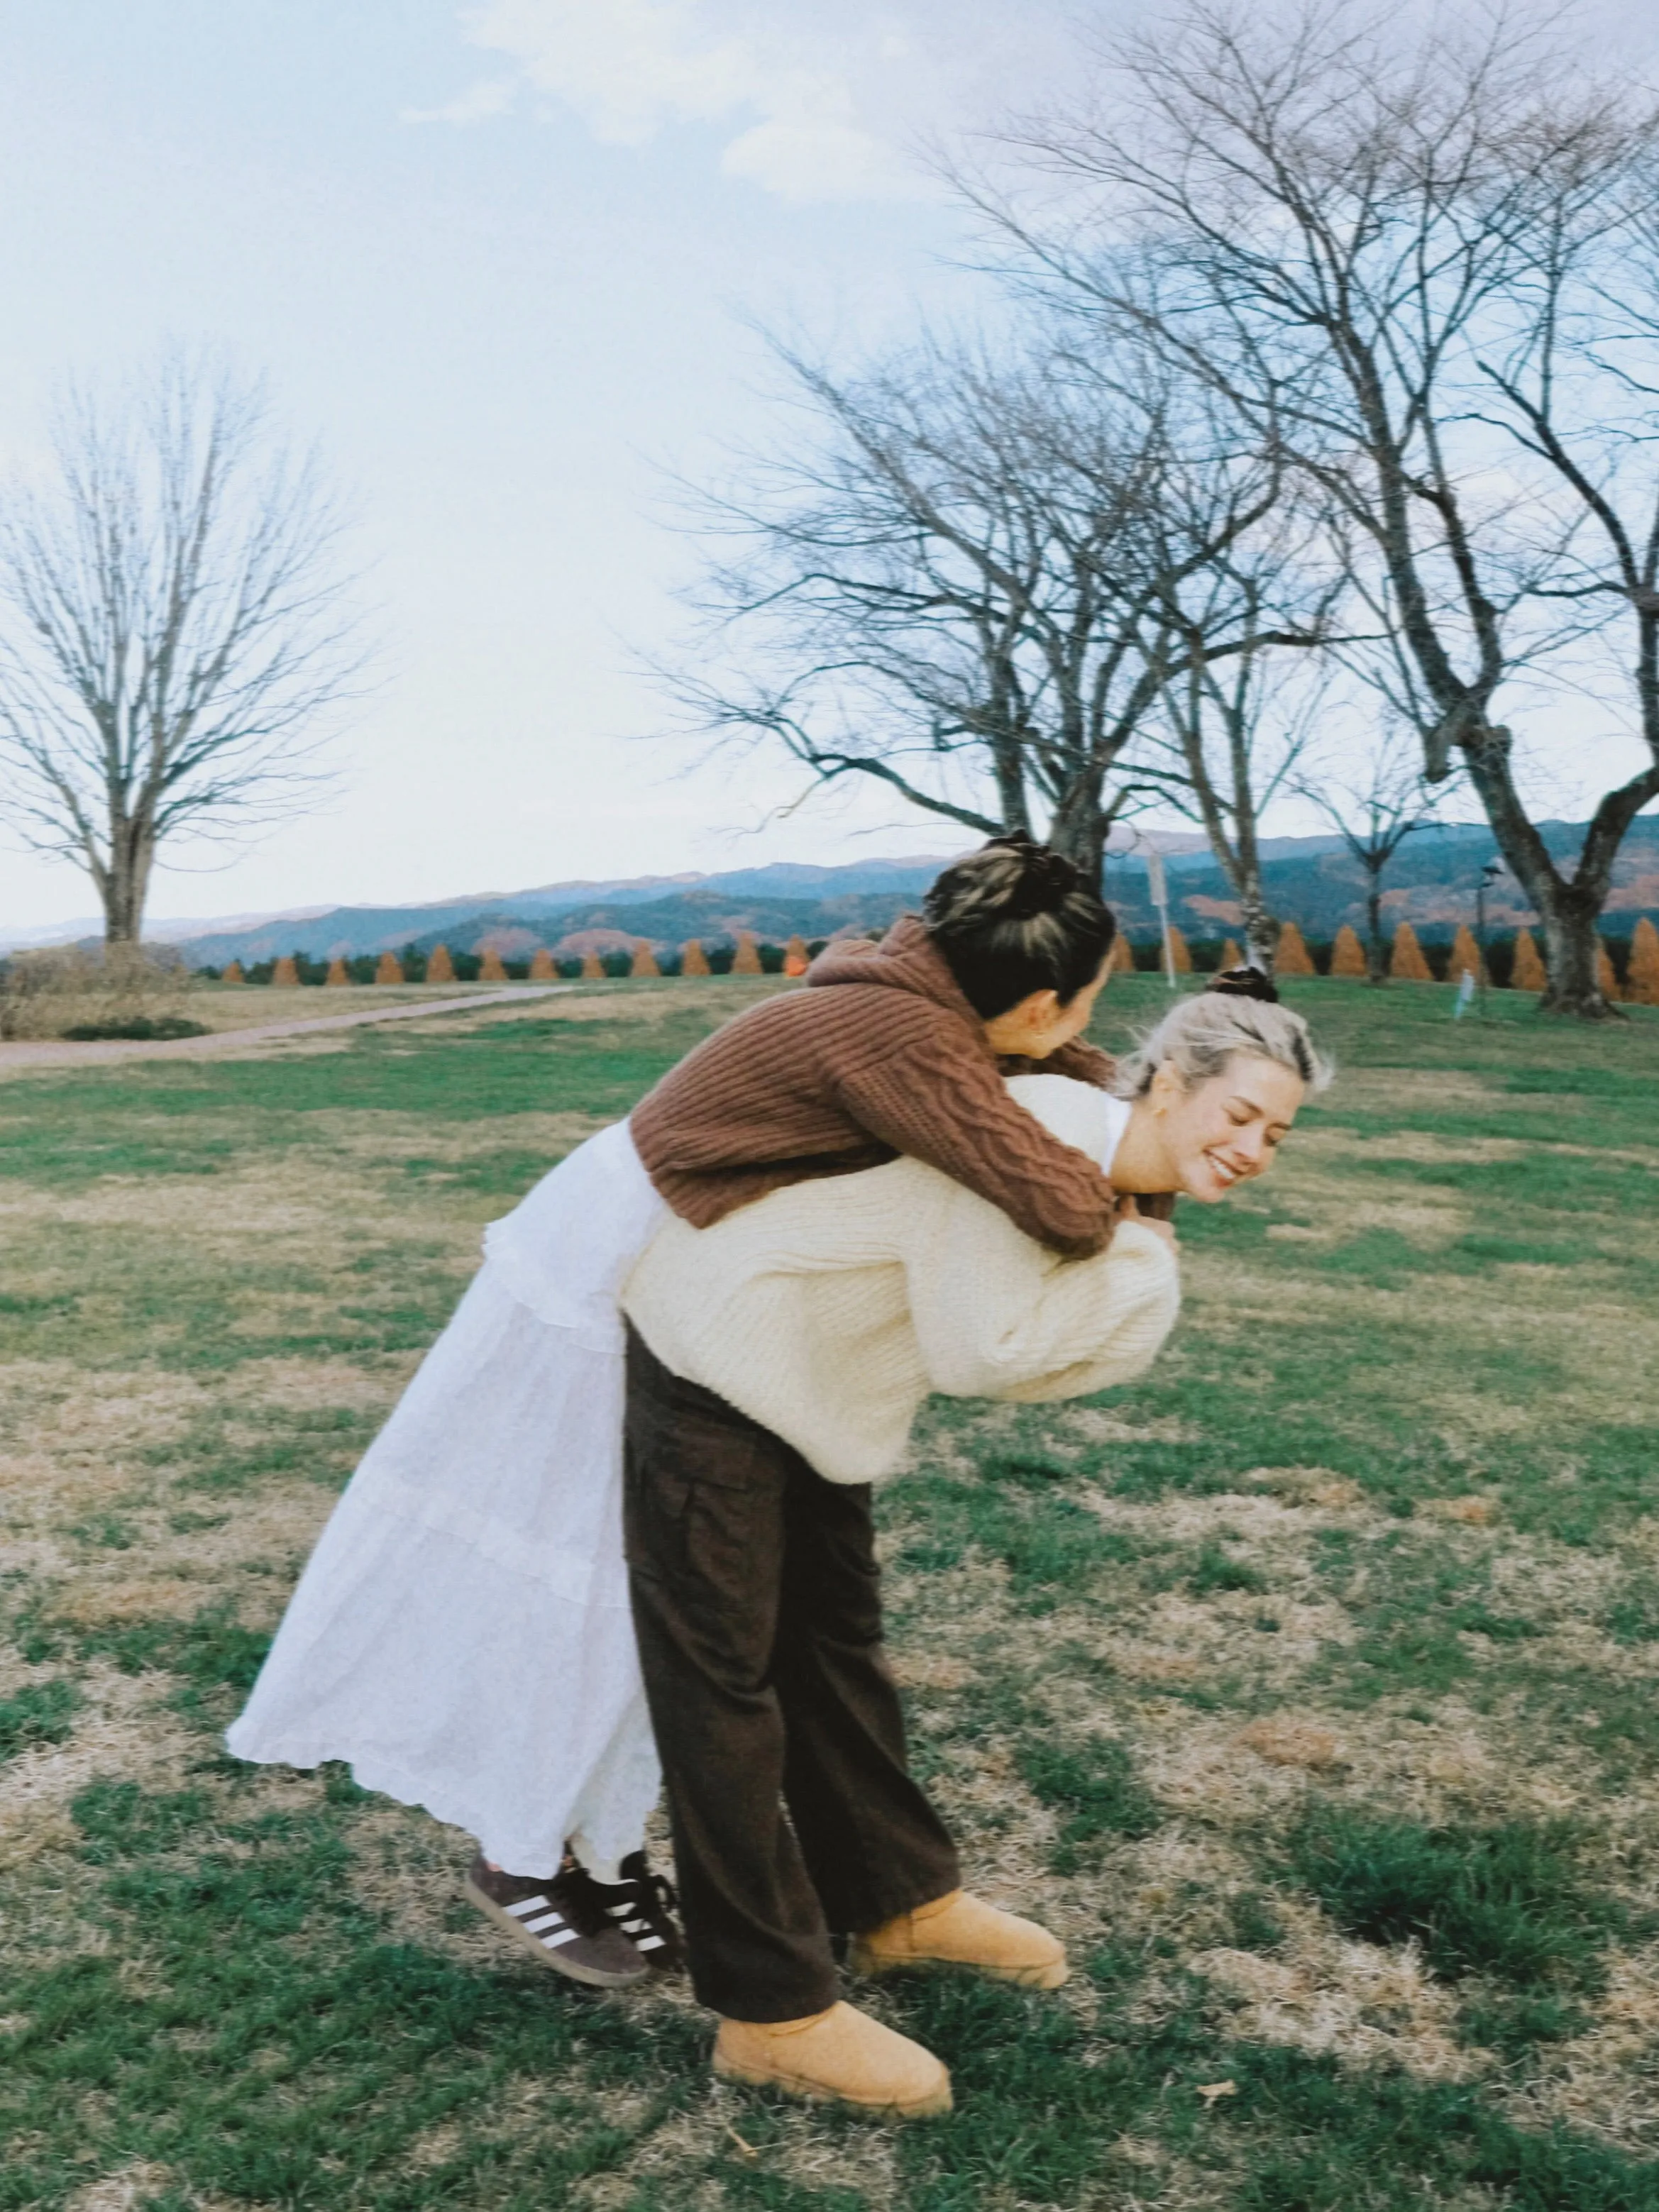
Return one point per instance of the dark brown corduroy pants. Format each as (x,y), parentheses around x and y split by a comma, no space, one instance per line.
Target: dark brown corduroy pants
(757,1607)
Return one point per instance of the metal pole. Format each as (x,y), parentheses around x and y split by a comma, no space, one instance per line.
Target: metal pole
(1480,943)
(1157,884)
(1493,870)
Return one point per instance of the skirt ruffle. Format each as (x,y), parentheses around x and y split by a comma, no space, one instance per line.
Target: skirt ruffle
(461,1635)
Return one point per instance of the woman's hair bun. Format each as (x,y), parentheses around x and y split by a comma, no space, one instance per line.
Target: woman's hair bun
(1244,983)
(1047,879)
(1017,917)
(1010,879)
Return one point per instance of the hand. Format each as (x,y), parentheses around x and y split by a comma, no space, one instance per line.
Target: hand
(1127,1210)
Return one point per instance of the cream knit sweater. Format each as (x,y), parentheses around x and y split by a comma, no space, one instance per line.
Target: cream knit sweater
(829,1310)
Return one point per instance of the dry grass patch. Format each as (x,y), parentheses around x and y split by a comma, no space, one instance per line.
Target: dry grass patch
(1288,1740)
(1474,1512)
(134,2186)
(1309,1487)
(386,1138)
(223,1007)
(1351,2001)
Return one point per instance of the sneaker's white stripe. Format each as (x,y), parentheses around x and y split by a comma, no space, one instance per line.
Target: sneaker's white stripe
(546,1920)
(525,1906)
(551,1942)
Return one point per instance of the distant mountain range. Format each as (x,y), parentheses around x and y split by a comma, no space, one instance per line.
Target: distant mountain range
(1311,880)
(778,900)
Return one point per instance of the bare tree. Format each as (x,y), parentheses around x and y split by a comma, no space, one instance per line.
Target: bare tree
(961,584)
(1347,229)
(173,629)
(1576,388)
(1243,702)
(1378,800)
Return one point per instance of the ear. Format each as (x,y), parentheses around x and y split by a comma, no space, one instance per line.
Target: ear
(1165,1089)
(1033,1013)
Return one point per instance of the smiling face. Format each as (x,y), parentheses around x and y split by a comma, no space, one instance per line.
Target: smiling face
(1224,1131)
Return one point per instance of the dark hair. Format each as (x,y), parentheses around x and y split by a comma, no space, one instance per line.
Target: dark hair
(1014,918)
(1245,983)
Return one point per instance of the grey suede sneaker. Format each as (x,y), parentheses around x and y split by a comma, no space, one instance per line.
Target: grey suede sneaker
(641,1905)
(561,1920)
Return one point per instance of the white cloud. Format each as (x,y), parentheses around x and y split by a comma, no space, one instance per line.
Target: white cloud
(626,66)
(815,158)
(820,105)
(490,96)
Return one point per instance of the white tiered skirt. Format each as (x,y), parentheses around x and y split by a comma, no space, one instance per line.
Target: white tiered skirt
(461,1635)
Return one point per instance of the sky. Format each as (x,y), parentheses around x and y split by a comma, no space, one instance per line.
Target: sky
(503,262)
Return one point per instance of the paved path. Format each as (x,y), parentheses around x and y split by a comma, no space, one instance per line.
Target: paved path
(57,1053)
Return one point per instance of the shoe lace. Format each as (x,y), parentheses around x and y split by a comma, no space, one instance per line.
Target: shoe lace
(652,1895)
(579,1898)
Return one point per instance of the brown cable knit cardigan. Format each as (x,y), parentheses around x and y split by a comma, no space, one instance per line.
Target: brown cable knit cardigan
(881,1055)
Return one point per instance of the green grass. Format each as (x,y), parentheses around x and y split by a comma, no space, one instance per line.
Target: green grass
(283,2050)
(228,1988)
(39,1713)
(1508,1901)
(1095,1790)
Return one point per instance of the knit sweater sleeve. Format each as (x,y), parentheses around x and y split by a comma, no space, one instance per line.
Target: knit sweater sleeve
(911,1084)
(996,1317)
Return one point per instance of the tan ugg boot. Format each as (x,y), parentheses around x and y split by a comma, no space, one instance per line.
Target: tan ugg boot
(840,2056)
(963,1930)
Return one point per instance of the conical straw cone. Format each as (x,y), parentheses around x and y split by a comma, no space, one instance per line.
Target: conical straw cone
(1465,957)
(1290,955)
(1530,973)
(1405,962)
(1642,976)
(1347,953)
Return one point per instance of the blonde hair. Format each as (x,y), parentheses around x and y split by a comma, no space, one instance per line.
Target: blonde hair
(1200,1035)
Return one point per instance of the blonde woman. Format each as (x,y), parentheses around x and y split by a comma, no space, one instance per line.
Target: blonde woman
(775,1362)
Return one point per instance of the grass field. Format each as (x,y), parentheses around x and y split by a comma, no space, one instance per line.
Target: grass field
(1311,1687)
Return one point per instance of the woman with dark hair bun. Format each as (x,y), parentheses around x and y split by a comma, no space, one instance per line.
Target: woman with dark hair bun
(900,1048)
(1016,920)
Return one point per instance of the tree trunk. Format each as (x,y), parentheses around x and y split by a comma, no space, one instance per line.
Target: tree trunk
(1568,910)
(1079,828)
(1008,759)
(1375,964)
(1260,928)
(125,883)
(1571,951)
